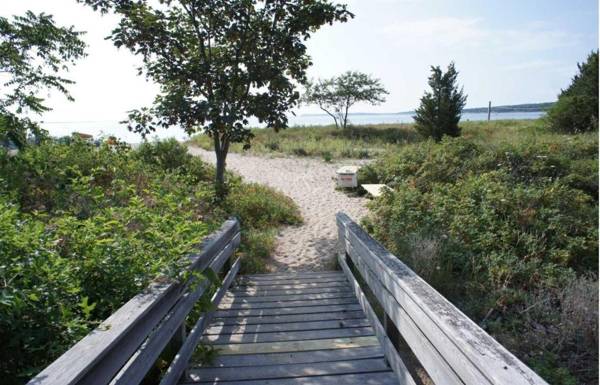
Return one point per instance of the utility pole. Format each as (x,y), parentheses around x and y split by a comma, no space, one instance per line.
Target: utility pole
(489,110)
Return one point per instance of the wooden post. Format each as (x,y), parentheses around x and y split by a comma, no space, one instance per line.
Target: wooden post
(489,110)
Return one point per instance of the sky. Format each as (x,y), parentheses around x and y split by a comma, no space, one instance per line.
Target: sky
(507,52)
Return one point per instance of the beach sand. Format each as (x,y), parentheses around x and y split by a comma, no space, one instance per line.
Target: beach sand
(311,184)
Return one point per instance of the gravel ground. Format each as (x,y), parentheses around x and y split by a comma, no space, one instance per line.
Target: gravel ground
(311,184)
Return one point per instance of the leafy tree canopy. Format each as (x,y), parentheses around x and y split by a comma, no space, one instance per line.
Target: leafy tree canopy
(219,62)
(441,108)
(335,96)
(577,107)
(34,52)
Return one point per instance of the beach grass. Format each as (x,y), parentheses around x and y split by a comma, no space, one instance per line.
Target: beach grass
(369,141)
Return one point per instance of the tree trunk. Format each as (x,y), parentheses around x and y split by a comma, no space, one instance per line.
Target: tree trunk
(346,114)
(221,148)
(332,115)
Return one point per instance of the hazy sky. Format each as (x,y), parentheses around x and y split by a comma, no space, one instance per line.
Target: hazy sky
(509,51)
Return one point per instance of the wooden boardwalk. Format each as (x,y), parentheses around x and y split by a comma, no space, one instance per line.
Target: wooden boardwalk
(303,328)
(284,329)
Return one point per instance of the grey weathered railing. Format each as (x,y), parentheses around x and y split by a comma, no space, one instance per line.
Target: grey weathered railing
(450,347)
(123,348)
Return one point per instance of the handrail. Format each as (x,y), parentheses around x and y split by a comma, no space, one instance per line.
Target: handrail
(450,347)
(123,348)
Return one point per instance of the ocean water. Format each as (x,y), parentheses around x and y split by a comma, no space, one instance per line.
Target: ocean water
(113,128)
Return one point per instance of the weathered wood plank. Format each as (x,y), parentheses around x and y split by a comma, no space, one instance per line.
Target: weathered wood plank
(332,315)
(298,346)
(288,326)
(379,378)
(180,361)
(298,357)
(277,276)
(268,305)
(299,286)
(285,298)
(100,355)
(391,354)
(285,311)
(289,281)
(211,375)
(143,359)
(245,338)
(475,356)
(434,363)
(270,293)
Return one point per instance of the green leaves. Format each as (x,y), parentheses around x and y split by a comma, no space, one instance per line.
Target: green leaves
(84,229)
(33,54)
(335,96)
(86,308)
(441,108)
(219,62)
(499,229)
(577,107)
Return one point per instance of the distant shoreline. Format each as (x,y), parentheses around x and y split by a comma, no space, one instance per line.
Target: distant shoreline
(527,107)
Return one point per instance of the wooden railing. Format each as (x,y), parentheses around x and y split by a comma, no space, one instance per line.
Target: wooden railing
(448,345)
(123,348)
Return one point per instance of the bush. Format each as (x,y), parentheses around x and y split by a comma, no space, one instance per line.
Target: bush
(440,110)
(299,151)
(577,107)
(573,114)
(260,207)
(501,230)
(367,174)
(83,229)
(170,155)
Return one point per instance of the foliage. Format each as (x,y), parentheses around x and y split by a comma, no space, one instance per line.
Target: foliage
(261,206)
(370,141)
(507,231)
(219,62)
(34,52)
(577,107)
(326,141)
(335,96)
(440,109)
(83,229)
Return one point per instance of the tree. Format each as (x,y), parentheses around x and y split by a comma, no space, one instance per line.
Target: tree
(440,109)
(335,96)
(577,107)
(33,54)
(219,62)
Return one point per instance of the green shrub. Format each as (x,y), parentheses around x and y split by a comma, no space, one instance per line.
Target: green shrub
(503,231)
(577,107)
(439,112)
(66,270)
(367,174)
(573,114)
(260,207)
(299,151)
(273,145)
(83,229)
(256,248)
(170,155)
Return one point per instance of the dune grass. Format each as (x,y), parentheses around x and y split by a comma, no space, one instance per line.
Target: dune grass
(369,141)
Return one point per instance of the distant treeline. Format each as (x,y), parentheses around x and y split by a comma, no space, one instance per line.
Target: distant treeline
(530,107)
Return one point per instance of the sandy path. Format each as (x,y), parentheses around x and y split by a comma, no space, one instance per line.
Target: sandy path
(310,183)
